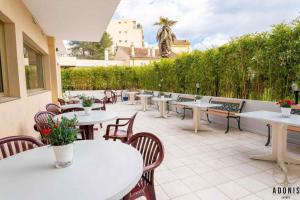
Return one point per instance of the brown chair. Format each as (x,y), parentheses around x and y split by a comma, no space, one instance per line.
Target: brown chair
(61,101)
(54,108)
(16,144)
(118,93)
(120,134)
(42,122)
(101,101)
(110,96)
(152,151)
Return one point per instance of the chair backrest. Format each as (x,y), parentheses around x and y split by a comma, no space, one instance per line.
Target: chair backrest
(152,151)
(41,119)
(130,126)
(102,102)
(51,107)
(61,101)
(15,144)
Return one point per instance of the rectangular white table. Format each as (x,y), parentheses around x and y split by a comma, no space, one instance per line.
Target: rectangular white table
(144,100)
(132,97)
(279,135)
(197,108)
(162,105)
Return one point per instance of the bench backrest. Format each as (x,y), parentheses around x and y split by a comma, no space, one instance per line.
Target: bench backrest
(148,92)
(296,109)
(230,105)
(186,98)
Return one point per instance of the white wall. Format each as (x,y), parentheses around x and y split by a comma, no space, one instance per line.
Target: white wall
(73,61)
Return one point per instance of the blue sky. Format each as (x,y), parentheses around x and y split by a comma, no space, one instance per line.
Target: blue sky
(208,23)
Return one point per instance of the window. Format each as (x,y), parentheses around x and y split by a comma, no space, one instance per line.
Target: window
(120,32)
(120,41)
(3,86)
(125,41)
(125,32)
(33,68)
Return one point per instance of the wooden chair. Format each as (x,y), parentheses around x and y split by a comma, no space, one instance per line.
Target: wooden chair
(54,108)
(61,101)
(42,122)
(110,96)
(16,144)
(118,93)
(120,134)
(152,151)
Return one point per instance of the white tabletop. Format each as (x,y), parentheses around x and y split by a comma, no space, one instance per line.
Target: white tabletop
(161,99)
(194,104)
(144,95)
(276,117)
(79,105)
(132,92)
(97,172)
(96,117)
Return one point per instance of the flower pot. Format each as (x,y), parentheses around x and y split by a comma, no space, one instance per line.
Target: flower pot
(63,155)
(87,110)
(286,112)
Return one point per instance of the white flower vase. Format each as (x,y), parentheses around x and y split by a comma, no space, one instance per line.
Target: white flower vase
(63,155)
(286,112)
(87,110)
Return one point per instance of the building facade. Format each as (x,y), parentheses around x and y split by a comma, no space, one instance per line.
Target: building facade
(29,69)
(126,32)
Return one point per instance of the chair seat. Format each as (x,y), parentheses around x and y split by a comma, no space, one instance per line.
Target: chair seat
(120,134)
(139,188)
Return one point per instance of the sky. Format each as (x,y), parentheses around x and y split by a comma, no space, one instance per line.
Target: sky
(209,23)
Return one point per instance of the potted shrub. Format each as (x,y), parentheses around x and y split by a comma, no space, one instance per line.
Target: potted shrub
(81,97)
(286,107)
(87,105)
(198,98)
(61,137)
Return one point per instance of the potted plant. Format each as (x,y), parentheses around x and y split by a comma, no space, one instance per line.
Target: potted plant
(87,105)
(81,97)
(286,107)
(61,137)
(198,98)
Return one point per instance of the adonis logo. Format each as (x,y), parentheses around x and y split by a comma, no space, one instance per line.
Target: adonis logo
(286,176)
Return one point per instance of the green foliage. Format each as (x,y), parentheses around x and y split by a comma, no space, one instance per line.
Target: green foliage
(63,133)
(87,102)
(259,66)
(91,50)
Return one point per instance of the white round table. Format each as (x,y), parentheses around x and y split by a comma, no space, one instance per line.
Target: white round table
(87,122)
(144,98)
(162,105)
(132,97)
(78,105)
(100,170)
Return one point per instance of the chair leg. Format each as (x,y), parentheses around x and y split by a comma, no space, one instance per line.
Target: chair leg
(227,125)
(208,118)
(269,135)
(239,123)
(183,114)
(150,193)
(100,125)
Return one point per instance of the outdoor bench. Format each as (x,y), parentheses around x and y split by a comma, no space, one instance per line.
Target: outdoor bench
(184,98)
(229,109)
(295,111)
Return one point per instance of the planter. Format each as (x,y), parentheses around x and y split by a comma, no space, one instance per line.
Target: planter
(87,110)
(286,112)
(63,155)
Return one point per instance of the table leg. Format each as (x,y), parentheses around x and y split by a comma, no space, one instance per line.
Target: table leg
(196,118)
(88,132)
(131,99)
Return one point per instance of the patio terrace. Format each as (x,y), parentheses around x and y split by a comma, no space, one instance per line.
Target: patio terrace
(209,165)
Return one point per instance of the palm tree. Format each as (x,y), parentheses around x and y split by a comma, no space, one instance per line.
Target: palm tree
(165,37)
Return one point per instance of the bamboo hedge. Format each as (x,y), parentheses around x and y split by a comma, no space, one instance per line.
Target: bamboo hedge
(259,66)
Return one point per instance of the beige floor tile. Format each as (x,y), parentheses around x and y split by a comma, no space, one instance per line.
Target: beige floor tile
(183,172)
(187,197)
(251,184)
(195,183)
(233,190)
(211,194)
(175,189)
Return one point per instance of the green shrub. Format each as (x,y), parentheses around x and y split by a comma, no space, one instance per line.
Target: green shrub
(259,66)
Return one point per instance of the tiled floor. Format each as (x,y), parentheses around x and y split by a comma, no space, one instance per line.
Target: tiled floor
(209,165)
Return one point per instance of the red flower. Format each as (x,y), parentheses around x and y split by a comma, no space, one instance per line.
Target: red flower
(55,125)
(46,131)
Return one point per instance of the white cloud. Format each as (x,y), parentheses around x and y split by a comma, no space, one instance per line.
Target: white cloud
(209,22)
